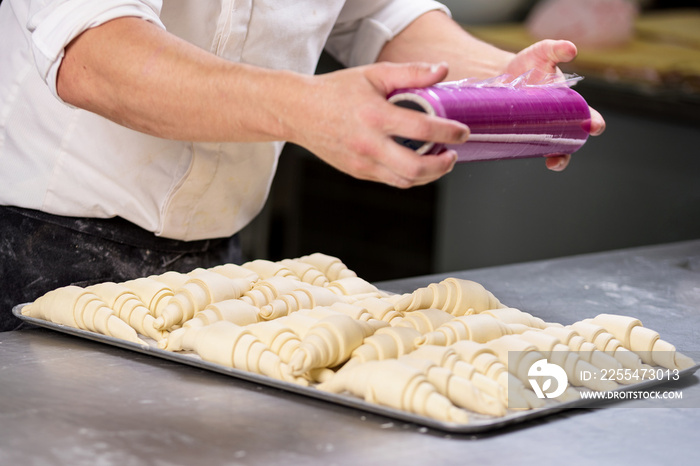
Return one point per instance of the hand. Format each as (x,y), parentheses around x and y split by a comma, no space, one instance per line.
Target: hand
(544,56)
(346,120)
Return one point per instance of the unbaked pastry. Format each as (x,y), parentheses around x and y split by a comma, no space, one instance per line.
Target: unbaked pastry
(330,342)
(232,346)
(278,337)
(354,288)
(382,309)
(459,390)
(332,267)
(513,316)
(231,310)
(353,310)
(643,341)
(306,272)
(558,353)
(128,307)
(201,288)
(78,308)
(385,343)
(153,294)
(585,349)
(606,342)
(304,296)
(174,280)
(485,360)
(266,269)
(299,322)
(267,290)
(424,320)
(476,327)
(448,358)
(455,296)
(236,271)
(397,385)
(519,356)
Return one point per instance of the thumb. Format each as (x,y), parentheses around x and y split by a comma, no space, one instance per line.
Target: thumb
(545,55)
(387,77)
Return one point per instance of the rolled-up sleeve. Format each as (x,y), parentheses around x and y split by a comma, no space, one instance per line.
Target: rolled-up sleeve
(54,24)
(364,26)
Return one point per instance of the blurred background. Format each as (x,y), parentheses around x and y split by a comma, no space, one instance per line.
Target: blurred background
(637,184)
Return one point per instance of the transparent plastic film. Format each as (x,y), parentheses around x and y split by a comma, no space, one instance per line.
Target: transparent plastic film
(533,115)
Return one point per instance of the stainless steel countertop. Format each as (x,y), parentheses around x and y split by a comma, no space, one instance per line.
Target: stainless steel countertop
(69,401)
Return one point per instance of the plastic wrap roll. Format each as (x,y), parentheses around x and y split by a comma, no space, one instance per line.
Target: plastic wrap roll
(506,119)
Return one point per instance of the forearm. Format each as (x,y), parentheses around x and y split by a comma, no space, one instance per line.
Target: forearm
(435,37)
(144,78)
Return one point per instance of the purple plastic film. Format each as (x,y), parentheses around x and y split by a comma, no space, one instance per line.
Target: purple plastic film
(507,119)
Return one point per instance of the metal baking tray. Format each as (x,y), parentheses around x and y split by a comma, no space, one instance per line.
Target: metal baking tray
(478,423)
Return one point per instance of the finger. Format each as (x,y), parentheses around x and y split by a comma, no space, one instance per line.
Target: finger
(563,51)
(557,162)
(405,168)
(388,162)
(552,52)
(597,123)
(545,55)
(388,77)
(419,126)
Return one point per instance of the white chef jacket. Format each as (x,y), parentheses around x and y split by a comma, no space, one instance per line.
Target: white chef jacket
(67,161)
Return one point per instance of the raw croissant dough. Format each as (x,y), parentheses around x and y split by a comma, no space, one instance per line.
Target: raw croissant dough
(643,341)
(395,384)
(129,308)
(79,308)
(441,351)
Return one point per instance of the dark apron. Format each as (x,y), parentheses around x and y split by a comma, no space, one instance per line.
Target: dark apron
(40,252)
